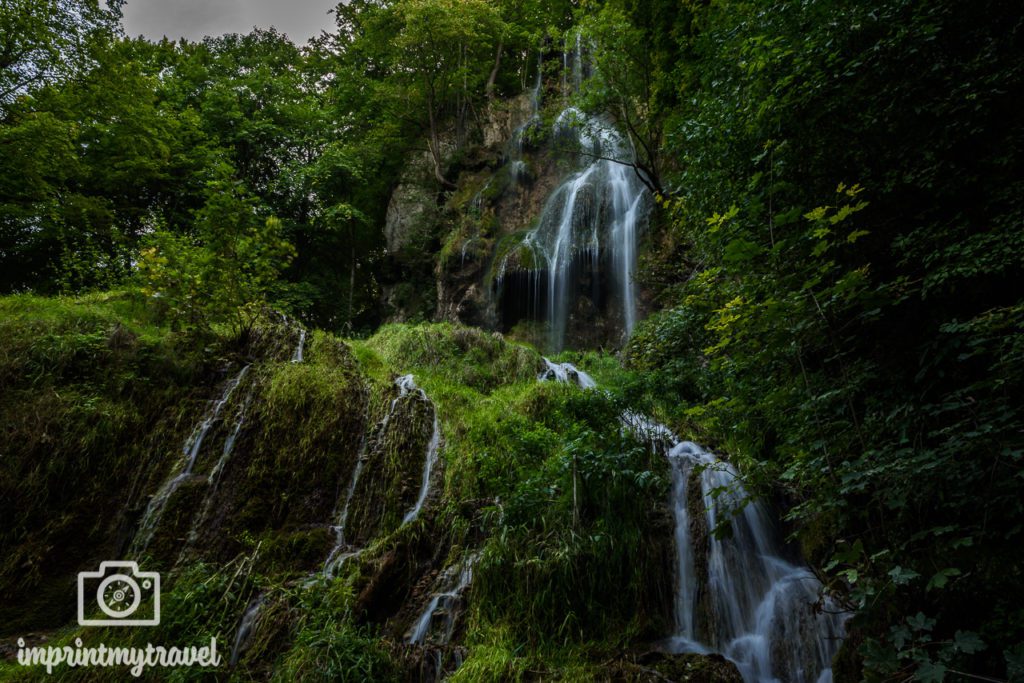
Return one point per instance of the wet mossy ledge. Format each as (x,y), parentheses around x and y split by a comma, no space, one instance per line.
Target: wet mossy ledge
(537,493)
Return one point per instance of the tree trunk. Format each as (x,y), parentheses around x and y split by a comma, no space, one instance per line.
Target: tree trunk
(435,152)
(489,89)
(351,274)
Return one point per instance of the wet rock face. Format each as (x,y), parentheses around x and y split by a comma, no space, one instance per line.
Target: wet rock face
(489,207)
(501,118)
(412,209)
(271,464)
(394,462)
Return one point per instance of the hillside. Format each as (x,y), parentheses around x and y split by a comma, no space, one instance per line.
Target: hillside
(484,340)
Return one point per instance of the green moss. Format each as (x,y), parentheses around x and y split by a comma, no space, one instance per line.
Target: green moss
(107,402)
(497,656)
(309,398)
(512,254)
(457,355)
(92,393)
(394,459)
(284,552)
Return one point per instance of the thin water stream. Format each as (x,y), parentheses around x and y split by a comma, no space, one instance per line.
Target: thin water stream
(191,449)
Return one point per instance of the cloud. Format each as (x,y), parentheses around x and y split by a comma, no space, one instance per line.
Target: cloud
(194,19)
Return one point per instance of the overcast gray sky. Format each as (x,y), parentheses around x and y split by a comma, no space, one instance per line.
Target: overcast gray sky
(194,19)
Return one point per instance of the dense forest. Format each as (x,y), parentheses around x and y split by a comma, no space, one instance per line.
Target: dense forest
(787,230)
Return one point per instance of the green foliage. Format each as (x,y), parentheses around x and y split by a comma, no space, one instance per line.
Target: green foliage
(571,556)
(465,355)
(577,554)
(856,346)
(633,62)
(232,266)
(90,390)
(43,40)
(328,646)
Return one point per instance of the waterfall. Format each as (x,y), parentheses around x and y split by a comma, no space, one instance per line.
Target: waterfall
(339,528)
(338,554)
(213,479)
(602,203)
(514,153)
(565,70)
(589,224)
(335,558)
(761,608)
(736,595)
(572,64)
(297,356)
(577,65)
(433,446)
(155,509)
(229,443)
(245,628)
(443,603)
(407,385)
(439,616)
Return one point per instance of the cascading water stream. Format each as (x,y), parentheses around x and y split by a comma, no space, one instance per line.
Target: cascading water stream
(761,611)
(602,203)
(213,479)
(341,552)
(443,603)
(577,64)
(338,554)
(433,447)
(229,443)
(151,517)
(439,616)
(297,356)
(736,595)
(566,373)
(245,628)
(336,557)
(514,153)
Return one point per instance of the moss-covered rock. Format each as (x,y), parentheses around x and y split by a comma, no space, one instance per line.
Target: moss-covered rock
(689,668)
(92,396)
(100,405)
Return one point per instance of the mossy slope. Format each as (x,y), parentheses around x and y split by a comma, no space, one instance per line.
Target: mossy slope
(562,512)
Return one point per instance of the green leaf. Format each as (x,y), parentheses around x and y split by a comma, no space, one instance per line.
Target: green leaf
(1015,662)
(740,250)
(900,636)
(901,576)
(816,214)
(968,642)
(930,672)
(941,578)
(919,622)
